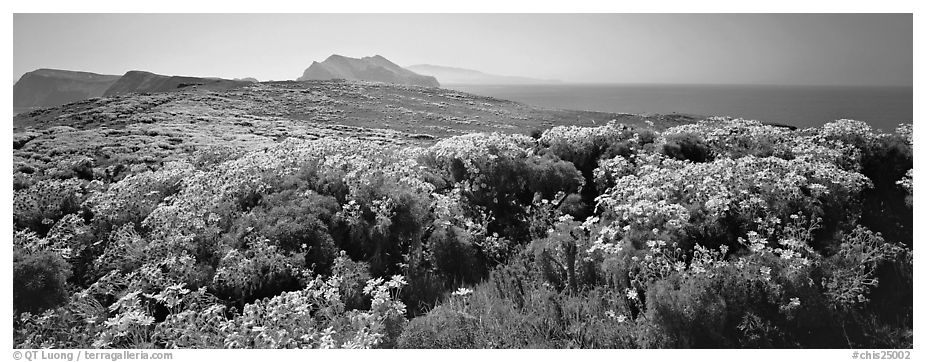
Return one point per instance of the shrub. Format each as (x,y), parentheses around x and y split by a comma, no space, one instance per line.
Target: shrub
(548,176)
(455,257)
(353,276)
(124,252)
(685,314)
(687,146)
(75,167)
(133,198)
(535,133)
(256,271)
(209,157)
(295,222)
(574,206)
(584,145)
(886,161)
(41,205)
(724,233)
(39,280)
(441,328)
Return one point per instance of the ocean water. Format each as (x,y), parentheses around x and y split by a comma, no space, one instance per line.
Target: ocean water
(801,106)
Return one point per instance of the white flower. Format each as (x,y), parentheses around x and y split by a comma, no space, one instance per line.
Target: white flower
(766,272)
(631,293)
(462,292)
(397,281)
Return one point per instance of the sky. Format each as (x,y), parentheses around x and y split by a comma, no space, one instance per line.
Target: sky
(787,49)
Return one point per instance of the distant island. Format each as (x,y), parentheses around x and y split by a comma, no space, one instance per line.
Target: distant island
(44,88)
(145,82)
(53,87)
(375,69)
(451,75)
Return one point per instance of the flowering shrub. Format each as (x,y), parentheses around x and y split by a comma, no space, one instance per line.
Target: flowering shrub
(736,138)
(721,233)
(39,280)
(41,205)
(76,167)
(131,199)
(906,183)
(584,145)
(242,273)
(668,199)
(860,255)
(686,147)
(124,252)
(562,255)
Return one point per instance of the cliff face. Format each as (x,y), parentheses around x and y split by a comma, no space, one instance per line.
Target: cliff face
(374,69)
(52,87)
(144,82)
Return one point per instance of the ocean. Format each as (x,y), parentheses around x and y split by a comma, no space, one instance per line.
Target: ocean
(801,106)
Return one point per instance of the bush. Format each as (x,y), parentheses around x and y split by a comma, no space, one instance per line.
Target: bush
(256,271)
(133,198)
(295,222)
(441,328)
(685,314)
(885,207)
(726,233)
(687,146)
(535,133)
(353,276)
(548,176)
(39,280)
(41,205)
(455,257)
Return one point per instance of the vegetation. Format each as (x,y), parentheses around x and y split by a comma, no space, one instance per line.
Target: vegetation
(718,234)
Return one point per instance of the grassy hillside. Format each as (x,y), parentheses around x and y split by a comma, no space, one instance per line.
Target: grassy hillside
(144,130)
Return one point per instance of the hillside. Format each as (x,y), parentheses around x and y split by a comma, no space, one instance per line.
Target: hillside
(451,75)
(323,214)
(147,129)
(52,87)
(374,69)
(136,81)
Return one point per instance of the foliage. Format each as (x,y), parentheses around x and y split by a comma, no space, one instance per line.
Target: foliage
(722,233)
(690,147)
(39,280)
(38,207)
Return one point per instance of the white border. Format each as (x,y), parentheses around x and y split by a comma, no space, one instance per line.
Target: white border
(481,6)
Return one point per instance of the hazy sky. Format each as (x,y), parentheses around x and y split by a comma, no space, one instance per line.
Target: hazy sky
(826,49)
